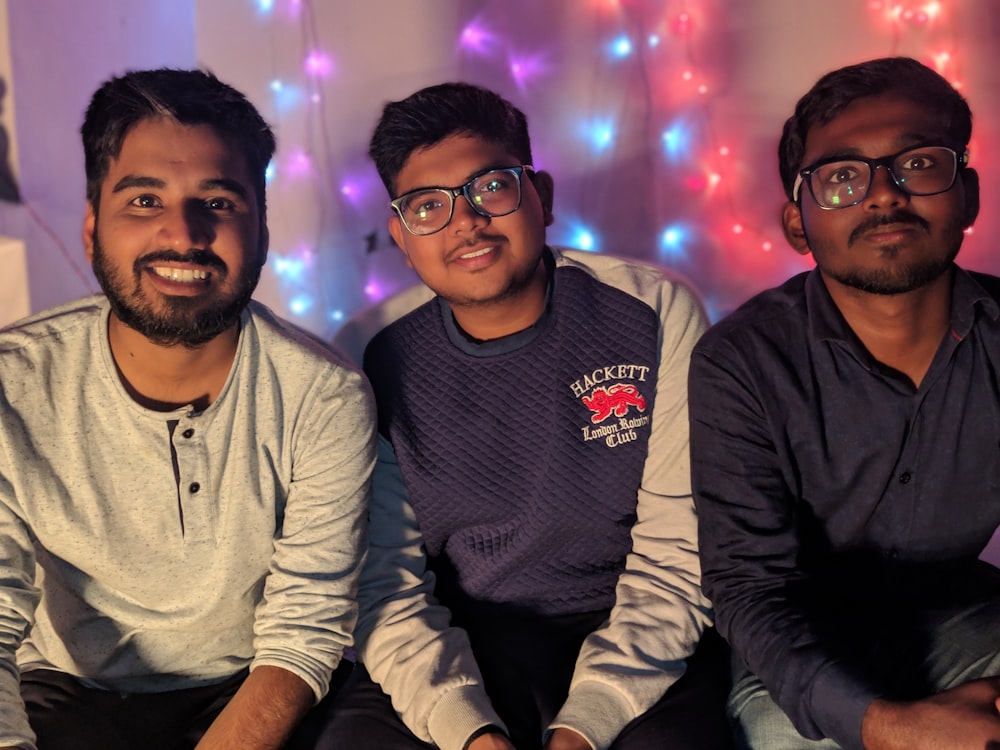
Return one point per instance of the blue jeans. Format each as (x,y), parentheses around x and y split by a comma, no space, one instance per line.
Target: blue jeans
(948,649)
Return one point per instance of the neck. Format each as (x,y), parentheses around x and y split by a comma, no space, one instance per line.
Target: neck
(514,312)
(165,378)
(902,331)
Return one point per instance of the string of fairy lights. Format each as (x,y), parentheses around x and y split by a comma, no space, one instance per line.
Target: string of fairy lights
(671,45)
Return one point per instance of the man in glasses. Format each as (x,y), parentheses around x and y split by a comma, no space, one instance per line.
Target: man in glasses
(533,574)
(845,438)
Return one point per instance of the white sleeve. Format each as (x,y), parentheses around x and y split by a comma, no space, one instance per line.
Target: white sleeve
(309,606)
(18,599)
(404,637)
(660,612)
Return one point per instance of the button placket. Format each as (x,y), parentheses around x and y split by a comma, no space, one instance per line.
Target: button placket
(193,471)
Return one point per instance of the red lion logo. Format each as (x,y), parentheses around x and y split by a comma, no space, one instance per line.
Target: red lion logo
(616,399)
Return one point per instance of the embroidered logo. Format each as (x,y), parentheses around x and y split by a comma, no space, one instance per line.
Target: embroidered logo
(617,407)
(614,400)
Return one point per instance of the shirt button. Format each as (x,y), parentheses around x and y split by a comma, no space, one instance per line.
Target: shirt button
(905,477)
(194,487)
(188,433)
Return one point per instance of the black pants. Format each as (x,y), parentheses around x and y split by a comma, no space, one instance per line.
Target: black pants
(67,715)
(528,679)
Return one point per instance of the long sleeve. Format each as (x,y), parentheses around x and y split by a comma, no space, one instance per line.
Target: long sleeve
(18,598)
(309,605)
(404,638)
(660,612)
(750,553)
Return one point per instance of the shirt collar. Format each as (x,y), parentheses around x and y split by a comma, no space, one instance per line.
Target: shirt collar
(968,296)
(505,344)
(826,322)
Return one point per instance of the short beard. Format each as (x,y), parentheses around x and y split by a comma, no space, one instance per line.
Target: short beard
(907,277)
(903,280)
(515,287)
(186,321)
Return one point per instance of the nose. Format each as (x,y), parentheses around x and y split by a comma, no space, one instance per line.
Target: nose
(884,191)
(187,226)
(464,217)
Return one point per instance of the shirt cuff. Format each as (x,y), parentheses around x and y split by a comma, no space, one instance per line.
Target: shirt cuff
(459,714)
(596,711)
(838,702)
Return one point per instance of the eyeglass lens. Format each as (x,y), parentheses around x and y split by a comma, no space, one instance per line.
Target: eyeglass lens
(494,193)
(921,171)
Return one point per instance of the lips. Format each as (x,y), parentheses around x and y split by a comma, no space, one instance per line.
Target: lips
(181,275)
(887,225)
(476,253)
(890,229)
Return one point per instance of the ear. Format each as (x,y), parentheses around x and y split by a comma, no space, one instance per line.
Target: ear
(264,241)
(545,188)
(398,233)
(89,228)
(795,233)
(970,181)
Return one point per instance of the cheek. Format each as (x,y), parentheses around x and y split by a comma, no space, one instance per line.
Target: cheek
(417,251)
(828,227)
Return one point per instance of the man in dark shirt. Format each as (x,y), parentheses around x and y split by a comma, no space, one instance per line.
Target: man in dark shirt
(845,432)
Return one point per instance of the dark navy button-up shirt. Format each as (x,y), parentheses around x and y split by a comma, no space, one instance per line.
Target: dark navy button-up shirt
(830,490)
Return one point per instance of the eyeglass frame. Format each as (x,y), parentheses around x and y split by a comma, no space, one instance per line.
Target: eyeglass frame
(463,190)
(961,161)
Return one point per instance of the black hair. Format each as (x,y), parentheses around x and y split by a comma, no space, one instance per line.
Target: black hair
(837,89)
(432,114)
(190,97)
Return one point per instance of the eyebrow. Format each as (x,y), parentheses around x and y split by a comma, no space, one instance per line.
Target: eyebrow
(904,142)
(129,182)
(136,181)
(471,176)
(227,185)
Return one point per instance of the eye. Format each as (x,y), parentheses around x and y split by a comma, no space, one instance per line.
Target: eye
(427,206)
(841,173)
(493,182)
(917,162)
(219,204)
(422,205)
(146,201)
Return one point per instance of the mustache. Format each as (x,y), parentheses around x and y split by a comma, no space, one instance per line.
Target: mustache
(199,257)
(896,217)
(481,237)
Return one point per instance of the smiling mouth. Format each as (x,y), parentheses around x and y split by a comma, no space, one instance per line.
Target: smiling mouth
(477,253)
(181,275)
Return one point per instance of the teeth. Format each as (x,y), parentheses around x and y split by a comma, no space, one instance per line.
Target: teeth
(477,253)
(184,275)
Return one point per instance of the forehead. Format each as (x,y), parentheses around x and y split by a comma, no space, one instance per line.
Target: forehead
(168,150)
(874,126)
(451,162)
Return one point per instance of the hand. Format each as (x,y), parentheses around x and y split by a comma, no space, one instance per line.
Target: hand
(966,717)
(566,739)
(490,741)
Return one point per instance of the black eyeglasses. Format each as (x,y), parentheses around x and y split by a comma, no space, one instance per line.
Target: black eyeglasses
(918,170)
(493,192)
